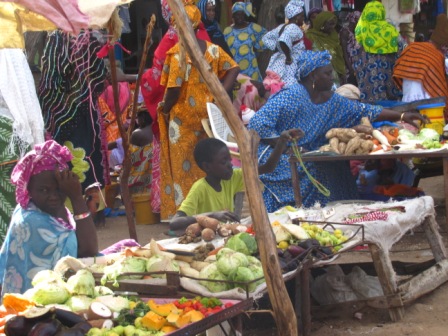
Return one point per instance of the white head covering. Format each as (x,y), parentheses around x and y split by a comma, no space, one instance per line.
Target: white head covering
(293,8)
(349,91)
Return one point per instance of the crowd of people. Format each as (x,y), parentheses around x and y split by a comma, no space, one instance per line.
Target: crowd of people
(322,73)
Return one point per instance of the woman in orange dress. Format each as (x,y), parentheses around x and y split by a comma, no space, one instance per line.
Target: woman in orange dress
(181,113)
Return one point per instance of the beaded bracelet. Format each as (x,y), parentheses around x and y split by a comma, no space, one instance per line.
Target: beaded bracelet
(402,115)
(81,216)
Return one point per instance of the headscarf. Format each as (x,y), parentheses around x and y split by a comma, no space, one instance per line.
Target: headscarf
(212,27)
(330,42)
(353,17)
(440,33)
(314,10)
(46,156)
(293,8)
(167,14)
(374,33)
(310,61)
(245,7)
(193,13)
(349,91)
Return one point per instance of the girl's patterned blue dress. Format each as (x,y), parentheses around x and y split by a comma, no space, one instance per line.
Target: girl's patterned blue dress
(243,43)
(292,108)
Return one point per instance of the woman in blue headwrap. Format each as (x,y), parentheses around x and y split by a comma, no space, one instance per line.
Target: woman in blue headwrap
(244,38)
(312,106)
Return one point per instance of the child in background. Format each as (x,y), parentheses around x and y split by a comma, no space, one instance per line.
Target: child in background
(214,194)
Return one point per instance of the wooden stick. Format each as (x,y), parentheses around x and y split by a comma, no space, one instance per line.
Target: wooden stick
(125,194)
(248,145)
(146,46)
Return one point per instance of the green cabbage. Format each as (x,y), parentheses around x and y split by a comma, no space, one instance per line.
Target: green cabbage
(161,263)
(428,134)
(230,262)
(46,276)
(102,290)
(82,283)
(242,242)
(258,273)
(114,303)
(224,251)
(49,292)
(253,261)
(127,265)
(211,272)
(79,302)
(243,274)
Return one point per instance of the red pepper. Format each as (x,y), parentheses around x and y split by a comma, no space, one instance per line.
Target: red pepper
(228,304)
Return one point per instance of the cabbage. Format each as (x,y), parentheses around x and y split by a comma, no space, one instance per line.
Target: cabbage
(211,272)
(428,134)
(242,242)
(281,233)
(243,274)
(161,263)
(230,262)
(82,283)
(297,231)
(258,273)
(46,276)
(224,251)
(253,261)
(49,292)
(79,302)
(102,290)
(114,303)
(127,265)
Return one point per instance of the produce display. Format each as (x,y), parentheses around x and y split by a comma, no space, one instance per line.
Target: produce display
(364,139)
(207,228)
(139,318)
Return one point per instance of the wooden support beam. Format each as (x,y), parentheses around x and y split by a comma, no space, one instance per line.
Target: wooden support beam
(425,282)
(248,145)
(434,238)
(386,276)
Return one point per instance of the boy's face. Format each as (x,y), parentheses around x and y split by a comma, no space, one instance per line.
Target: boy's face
(221,165)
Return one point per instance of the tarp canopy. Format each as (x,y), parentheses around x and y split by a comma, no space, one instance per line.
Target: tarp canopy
(19,16)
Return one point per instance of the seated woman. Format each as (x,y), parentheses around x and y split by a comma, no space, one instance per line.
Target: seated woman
(213,195)
(313,107)
(42,230)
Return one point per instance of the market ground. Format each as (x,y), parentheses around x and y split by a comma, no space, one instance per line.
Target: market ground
(428,316)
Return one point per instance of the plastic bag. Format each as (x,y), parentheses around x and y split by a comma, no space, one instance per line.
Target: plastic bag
(364,286)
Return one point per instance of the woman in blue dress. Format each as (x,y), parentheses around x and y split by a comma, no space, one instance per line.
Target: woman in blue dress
(244,38)
(313,107)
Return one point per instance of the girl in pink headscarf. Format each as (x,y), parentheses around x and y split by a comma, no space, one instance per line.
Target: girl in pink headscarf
(42,230)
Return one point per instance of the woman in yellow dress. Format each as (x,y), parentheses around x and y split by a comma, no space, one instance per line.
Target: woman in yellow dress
(181,113)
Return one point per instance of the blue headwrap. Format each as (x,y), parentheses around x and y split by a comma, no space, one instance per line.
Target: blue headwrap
(311,60)
(245,7)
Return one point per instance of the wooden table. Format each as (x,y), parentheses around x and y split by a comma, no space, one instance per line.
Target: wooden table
(443,154)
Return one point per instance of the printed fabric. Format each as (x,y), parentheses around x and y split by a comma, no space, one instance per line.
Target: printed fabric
(243,43)
(292,108)
(374,33)
(141,172)
(292,36)
(203,198)
(178,139)
(35,241)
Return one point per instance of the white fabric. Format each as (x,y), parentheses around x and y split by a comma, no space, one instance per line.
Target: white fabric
(293,8)
(19,93)
(116,156)
(413,90)
(100,11)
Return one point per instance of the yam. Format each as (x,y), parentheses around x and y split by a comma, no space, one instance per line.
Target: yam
(325,148)
(343,134)
(198,265)
(334,143)
(193,230)
(208,234)
(366,146)
(341,147)
(352,146)
(207,222)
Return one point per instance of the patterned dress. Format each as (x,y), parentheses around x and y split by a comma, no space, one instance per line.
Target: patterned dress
(243,43)
(178,139)
(292,108)
(141,171)
(292,36)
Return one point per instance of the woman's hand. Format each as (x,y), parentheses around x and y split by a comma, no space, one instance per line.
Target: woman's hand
(411,117)
(292,134)
(224,216)
(68,183)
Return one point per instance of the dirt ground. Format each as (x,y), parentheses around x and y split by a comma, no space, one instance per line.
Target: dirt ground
(425,317)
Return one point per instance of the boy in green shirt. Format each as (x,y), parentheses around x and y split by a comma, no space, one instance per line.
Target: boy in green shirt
(214,194)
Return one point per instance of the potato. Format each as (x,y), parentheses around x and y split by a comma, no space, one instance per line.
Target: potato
(207,222)
(343,134)
(334,143)
(208,234)
(353,145)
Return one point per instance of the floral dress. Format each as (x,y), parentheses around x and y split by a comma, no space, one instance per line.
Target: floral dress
(292,108)
(178,139)
(243,43)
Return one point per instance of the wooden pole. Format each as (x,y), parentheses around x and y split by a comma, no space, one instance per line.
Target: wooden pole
(125,194)
(247,143)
